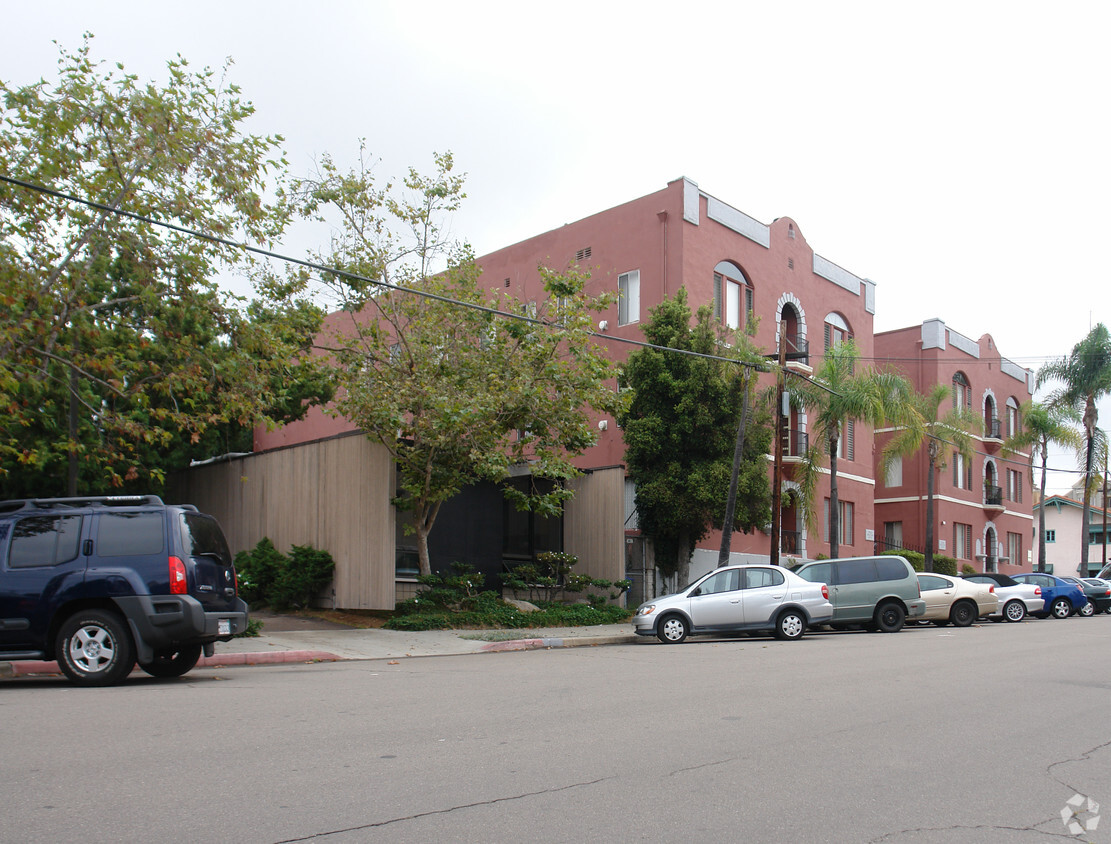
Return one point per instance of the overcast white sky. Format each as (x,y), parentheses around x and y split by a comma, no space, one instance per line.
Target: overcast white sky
(954,152)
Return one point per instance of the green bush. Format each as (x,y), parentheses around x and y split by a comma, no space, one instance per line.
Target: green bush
(268,577)
(305,572)
(551,578)
(258,571)
(945,565)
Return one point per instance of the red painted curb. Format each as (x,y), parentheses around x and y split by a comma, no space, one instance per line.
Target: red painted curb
(30,667)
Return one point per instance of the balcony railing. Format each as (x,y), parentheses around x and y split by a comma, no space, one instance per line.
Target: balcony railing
(789,541)
(993,429)
(993,496)
(797,348)
(795,443)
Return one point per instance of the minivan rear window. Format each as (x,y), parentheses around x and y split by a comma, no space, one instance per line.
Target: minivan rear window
(889,568)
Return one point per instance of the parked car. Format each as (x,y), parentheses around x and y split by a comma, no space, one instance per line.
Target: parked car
(1103,584)
(951,600)
(1098,593)
(101,583)
(734,599)
(880,592)
(1062,598)
(1015,599)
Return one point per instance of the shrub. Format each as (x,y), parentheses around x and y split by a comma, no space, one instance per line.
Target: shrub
(258,570)
(916,559)
(268,577)
(305,572)
(967,569)
(551,578)
(945,565)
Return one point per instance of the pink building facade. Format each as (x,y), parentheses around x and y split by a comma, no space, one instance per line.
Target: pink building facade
(681,237)
(983,509)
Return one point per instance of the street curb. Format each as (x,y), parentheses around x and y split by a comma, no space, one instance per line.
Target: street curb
(49,667)
(563,642)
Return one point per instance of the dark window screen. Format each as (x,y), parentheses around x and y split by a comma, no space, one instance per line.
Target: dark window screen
(130,534)
(44,541)
(889,569)
(856,571)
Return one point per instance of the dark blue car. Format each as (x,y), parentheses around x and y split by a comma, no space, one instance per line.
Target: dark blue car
(1062,598)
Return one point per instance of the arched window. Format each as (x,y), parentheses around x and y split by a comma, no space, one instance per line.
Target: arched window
(1012,416)
(962,391)
(732,295)
(836,330)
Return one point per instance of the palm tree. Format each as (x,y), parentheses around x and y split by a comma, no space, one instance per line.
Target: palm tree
(943,435)
(1043,426)
(833,396)
(1085,376)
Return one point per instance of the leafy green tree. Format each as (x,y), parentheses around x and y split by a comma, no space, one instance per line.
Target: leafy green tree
(680,433)
(944,434)
(1044,426)
(837,392)
(1085,378)
(120,356)
(432,368)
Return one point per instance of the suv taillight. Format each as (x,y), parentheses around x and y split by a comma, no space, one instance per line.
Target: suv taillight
(178,586)
(825,591)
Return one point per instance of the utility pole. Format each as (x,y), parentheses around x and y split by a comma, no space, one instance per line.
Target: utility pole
(777,453)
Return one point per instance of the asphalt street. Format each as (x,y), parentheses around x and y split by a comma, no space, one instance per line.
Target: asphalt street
(929,735)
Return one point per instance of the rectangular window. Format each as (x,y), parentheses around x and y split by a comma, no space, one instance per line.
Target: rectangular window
(628,287)
(846,445)
(962,541)
(130,534)
(895,473)
(1050,535)
(893,534)
(732,304)
(846,511)
(1014,548)
(962,472)
(1014,485)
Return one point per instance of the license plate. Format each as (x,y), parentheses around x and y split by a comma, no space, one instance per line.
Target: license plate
(223,626)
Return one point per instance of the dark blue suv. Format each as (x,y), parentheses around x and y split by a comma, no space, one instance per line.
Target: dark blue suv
(1062,598)
(101,583)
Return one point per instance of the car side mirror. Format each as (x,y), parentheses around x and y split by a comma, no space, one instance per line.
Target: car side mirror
(695,593)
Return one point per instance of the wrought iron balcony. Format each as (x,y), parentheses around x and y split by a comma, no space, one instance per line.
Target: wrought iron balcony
(993,429)
(797,348)
(789,541)
(993,496)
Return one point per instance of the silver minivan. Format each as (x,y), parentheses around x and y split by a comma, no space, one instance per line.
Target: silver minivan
(881,592)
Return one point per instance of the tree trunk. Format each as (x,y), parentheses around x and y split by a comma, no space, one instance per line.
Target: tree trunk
(731,501)
(1086,519)
(1041,509)
(928,565)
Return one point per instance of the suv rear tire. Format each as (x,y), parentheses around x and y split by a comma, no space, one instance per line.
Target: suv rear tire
(169,663)
(94,648)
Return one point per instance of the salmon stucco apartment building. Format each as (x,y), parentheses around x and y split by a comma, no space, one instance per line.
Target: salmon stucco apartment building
(320,482)
(983,508)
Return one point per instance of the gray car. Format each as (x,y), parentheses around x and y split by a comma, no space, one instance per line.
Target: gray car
(735,599)
(879,592)
(1016,599)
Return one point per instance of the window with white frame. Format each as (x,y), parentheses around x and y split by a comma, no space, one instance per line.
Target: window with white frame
(628,306)
(962,541)
(1012,416)
(845,532)
(1014,485)
(894,472)
(836,330)
(1014,548)
(962,472)
(846,442)
(732,296)
(893,534)
(962,391)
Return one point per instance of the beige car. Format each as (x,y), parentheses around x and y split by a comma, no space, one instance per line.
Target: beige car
(951,600)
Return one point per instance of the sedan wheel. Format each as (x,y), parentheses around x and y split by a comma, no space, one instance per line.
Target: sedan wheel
(1061,608)
(791,625)
(1014,611)
(1087,610)
(962,614)
(672,630)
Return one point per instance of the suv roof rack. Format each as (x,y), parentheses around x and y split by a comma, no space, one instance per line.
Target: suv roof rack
(83,501)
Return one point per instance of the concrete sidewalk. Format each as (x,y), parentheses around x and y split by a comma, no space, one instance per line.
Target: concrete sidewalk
(352,643)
